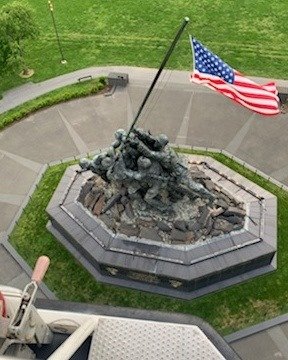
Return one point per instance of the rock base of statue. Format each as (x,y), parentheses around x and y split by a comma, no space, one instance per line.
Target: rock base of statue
(188,250)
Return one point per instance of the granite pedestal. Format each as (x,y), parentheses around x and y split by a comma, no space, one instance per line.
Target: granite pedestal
(183,271)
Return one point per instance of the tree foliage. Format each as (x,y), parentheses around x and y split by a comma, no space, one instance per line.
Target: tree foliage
(17,24)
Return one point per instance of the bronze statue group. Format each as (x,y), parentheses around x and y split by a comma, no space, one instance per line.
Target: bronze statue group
(149,170)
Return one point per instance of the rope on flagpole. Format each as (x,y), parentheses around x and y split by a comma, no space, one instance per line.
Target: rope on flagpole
(167,56)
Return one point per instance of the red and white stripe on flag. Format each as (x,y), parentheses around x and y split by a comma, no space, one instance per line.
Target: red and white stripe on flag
(262,99)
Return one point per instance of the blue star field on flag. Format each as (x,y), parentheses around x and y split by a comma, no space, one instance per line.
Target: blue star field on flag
(214,73)
(209,63)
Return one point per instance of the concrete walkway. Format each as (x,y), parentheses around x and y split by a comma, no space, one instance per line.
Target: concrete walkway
(189,114)
(29,91)
(265,341)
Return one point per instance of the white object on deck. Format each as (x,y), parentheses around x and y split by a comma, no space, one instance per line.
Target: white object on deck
(71,345)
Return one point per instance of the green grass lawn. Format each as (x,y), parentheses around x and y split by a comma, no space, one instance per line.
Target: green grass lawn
(250,36)
(228,310)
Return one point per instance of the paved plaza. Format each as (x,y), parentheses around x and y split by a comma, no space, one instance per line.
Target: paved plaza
(189,114)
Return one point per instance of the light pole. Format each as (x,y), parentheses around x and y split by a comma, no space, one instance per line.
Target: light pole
(63,61)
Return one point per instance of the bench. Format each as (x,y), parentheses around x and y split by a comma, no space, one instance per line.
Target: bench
(85,78)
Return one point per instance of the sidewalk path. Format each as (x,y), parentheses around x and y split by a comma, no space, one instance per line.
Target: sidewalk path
(189,114)
(29,91)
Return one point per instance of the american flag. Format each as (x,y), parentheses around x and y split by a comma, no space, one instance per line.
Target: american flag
(213,72)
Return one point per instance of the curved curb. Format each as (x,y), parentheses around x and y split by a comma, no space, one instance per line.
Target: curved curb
(30,90)
(265,325)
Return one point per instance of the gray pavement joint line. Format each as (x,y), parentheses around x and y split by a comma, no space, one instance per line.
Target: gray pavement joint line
(146,109)
(156,95)
(12,199)
(280,174)
(30,164)
(252,168)
(26,199)
(279,338)
(130,113)
(79,143)
(5,235)
(76,157)
(27,269)
(183,131)
(236,142)
(16,275)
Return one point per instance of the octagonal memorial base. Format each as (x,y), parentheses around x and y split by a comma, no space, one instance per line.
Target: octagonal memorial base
(183,271)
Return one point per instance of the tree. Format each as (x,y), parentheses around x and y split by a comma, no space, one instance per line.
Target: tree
(5,49)
(17,24)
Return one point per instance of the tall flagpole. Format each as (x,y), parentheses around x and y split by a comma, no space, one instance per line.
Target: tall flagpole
(63,61)
(169,52)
